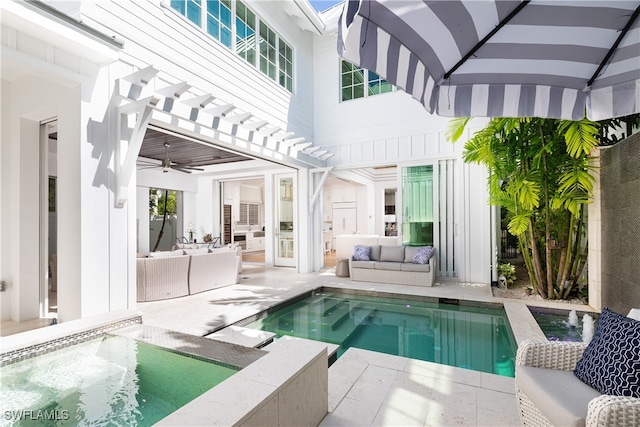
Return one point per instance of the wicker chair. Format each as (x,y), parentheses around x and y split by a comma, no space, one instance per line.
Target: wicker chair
(602,411)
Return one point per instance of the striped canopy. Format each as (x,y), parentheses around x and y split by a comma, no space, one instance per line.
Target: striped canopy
(484,58)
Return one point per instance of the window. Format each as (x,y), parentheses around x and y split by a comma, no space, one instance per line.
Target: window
(249,214)
(267,42)
(285,63)
(245,33)
(234,25)
(192,9)
(219,20)
(378,85)
(353,80)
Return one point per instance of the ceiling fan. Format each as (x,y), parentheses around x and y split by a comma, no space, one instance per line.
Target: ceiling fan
(167,164)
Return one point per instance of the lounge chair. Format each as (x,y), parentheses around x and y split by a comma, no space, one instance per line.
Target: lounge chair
(548,392)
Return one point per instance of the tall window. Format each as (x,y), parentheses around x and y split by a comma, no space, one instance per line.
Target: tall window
(192,9)
(245,33)
(285,64)
(219,20)
(234,25)
(267,42)
(353,79)
(417,206)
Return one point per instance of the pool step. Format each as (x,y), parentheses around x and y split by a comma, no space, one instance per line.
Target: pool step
(327,304)
(335,316)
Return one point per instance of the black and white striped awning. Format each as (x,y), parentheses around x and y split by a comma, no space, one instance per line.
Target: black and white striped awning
(539,58)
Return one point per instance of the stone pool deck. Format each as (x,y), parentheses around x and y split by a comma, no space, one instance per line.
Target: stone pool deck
(365,388)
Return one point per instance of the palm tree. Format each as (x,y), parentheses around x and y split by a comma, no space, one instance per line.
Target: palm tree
(540,173)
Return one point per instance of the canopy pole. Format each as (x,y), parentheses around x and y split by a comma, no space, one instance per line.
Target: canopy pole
(486,38)
(624,31)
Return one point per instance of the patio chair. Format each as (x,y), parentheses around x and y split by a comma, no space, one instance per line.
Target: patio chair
(548,392)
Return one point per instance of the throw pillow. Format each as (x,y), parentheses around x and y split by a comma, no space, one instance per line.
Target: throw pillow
(611,361)
(423,255)
(361,253)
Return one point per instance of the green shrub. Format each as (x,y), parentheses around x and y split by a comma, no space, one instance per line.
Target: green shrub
(508,271)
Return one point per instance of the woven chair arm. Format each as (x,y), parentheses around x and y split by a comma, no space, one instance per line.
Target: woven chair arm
(550,354)
(607,411)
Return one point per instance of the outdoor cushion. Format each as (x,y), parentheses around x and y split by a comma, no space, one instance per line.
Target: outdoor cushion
(165,254)
(363,264)
(557,394)
(409,266)
(611,361)
(388,265)
(199,251)
(392,253)
(410,252)
(361,253)
(375,253)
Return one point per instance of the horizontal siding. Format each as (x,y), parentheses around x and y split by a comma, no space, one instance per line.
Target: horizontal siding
(158,36)
(382,129)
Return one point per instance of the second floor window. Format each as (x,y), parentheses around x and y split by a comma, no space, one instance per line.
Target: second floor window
(357,82)
(245,33)
(219,20)
(234,25)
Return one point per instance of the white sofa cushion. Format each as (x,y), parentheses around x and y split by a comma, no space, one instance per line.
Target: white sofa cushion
(558,394)
(409,266)
(392,254)
(363,264)
(198,251)
(166,254)
(388,265)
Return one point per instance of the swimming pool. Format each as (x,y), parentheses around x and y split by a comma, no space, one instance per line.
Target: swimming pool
(110,380)
(471,337)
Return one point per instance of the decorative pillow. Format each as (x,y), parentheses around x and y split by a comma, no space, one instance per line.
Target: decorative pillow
(423,255)
(611,361)
(361,253)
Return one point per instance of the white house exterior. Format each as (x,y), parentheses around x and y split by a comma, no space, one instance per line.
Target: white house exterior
(98,74)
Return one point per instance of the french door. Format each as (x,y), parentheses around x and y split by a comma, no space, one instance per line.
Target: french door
(285,235)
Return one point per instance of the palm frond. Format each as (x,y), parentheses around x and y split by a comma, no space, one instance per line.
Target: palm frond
(456,128)
(580,136)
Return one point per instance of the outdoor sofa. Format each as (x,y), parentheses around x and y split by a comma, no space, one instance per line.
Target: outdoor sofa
(397,264)
(575,384)
(172,274)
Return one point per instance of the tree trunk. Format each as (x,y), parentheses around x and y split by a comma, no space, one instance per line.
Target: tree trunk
(537,265)
(547,219)
(164,220)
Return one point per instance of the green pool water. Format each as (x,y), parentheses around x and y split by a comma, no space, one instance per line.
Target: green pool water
(476,338)
(111,380)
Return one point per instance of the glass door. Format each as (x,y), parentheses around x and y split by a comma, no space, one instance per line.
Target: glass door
(285,222)
(417,206)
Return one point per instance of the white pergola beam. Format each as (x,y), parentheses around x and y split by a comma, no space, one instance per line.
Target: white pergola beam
(200,102)
(239,119)
(142,77)
(220,110)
